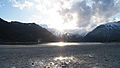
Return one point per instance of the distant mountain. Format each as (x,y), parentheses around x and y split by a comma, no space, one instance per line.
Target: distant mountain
(24,32)
(105,33)
(68,37)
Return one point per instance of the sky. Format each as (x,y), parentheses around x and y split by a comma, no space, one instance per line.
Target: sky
(75,16)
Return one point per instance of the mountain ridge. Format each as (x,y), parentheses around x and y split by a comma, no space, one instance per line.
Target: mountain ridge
(105,33)
(15,31)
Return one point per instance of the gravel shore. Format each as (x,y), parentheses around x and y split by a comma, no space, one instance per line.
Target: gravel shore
(104,55)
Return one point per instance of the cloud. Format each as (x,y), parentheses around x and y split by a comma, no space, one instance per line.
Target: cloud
(22,5)
(84,15)
(92,13)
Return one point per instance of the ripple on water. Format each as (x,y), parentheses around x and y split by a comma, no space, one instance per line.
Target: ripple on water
(56,62)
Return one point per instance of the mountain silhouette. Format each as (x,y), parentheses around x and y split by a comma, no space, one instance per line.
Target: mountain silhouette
(24,32)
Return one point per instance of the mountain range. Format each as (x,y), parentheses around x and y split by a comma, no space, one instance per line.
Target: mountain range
(24,32)
(15,31)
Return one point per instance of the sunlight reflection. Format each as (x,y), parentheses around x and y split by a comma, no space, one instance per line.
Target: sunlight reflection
(63,58)
(55,62)
(61,44)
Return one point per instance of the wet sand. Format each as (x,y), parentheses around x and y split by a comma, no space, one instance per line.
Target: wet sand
(81,55)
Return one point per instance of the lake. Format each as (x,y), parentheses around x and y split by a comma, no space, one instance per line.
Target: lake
(61,55)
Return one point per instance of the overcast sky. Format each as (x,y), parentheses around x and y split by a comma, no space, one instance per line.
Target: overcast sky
(83,15)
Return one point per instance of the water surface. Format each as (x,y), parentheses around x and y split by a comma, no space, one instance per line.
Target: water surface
(61,55)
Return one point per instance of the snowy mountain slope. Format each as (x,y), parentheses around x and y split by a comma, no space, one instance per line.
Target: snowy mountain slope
(105,33)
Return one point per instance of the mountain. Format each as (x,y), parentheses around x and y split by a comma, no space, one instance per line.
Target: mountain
(109,32)
(24,32)
(68,37)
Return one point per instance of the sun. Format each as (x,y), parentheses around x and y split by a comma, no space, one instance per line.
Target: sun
(61,25)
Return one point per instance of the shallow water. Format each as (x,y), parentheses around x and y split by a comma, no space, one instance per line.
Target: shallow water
(61,55)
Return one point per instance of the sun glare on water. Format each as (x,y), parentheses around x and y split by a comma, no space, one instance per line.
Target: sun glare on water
(62,44)
(61,58)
